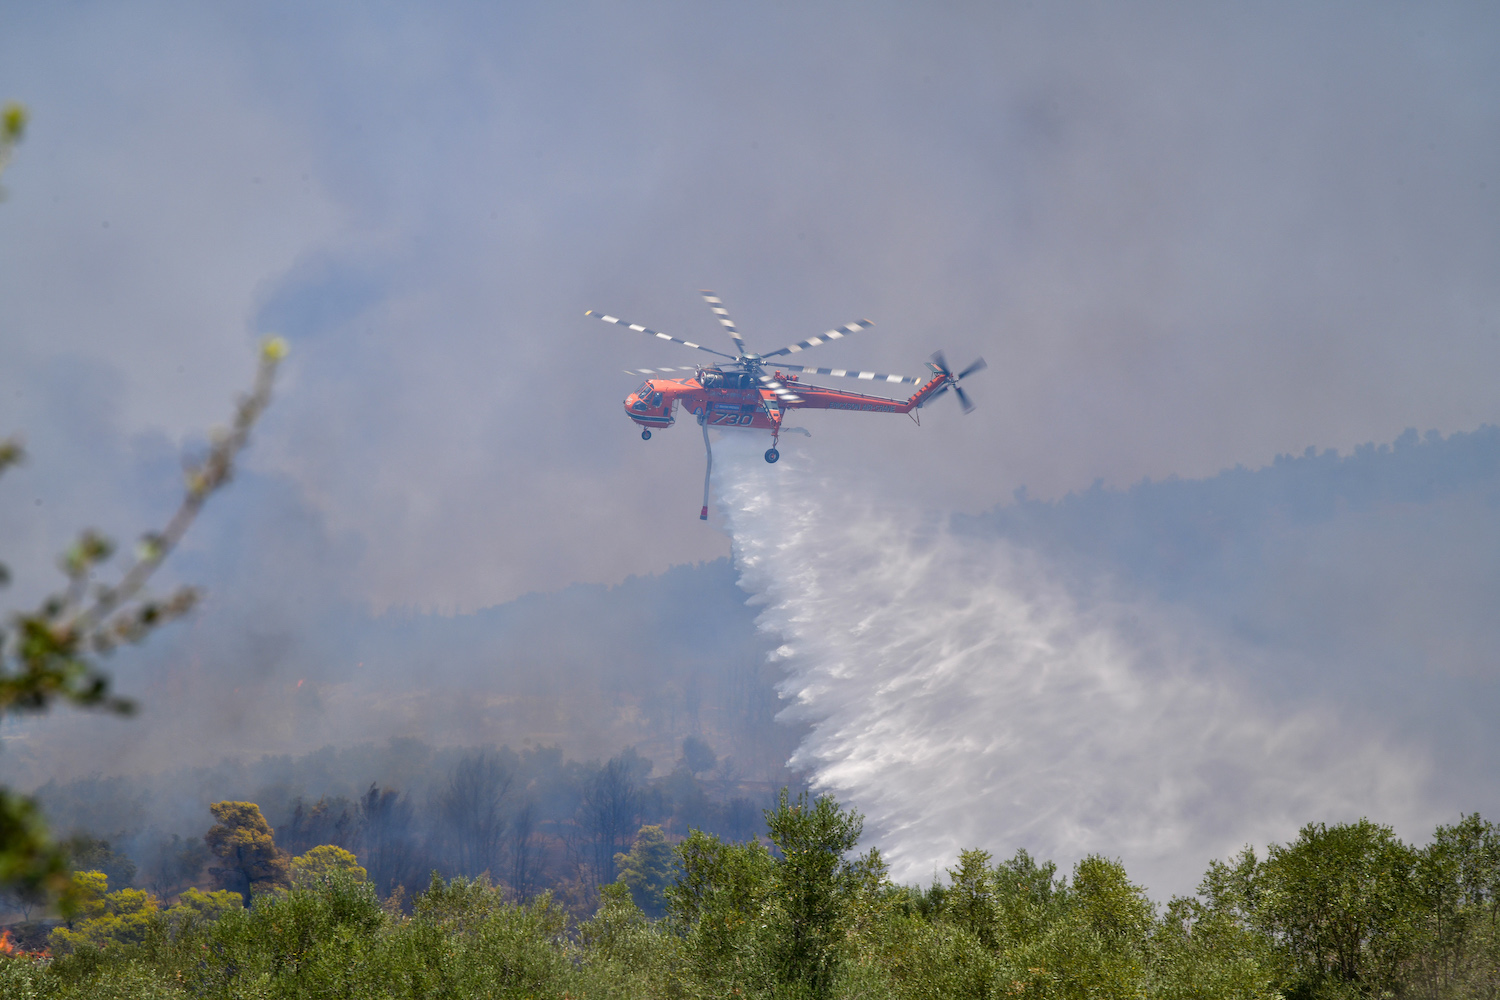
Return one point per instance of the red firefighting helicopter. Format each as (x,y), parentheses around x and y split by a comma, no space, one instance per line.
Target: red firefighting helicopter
(751,392)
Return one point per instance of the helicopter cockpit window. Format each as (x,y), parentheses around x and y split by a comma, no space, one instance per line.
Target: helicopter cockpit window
(643,391)
(656,399)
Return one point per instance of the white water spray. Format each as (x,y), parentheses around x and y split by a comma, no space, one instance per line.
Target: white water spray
(958,697)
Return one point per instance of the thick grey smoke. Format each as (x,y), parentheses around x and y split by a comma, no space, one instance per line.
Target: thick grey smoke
(1185,236)
(961,695)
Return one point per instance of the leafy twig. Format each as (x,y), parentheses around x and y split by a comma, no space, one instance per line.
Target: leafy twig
(49,655)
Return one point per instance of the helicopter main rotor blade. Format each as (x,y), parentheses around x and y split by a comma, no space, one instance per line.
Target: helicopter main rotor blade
(653,371)
(835,334)
(809,387)
(780,388)
(722,315)
(661,336)
(850,373)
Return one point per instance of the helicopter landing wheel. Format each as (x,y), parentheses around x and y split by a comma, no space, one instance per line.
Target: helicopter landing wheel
(645,435)
(772,454)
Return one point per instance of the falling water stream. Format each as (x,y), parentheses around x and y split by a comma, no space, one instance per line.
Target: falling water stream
(960,696)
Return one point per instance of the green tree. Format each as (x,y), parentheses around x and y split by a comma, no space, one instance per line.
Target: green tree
(814,882)
(1200,953)
(918,958)
(244,841)
(1457,878)
(1029,897)
(101,917)
(626,955)
(322,861)
(1100,947)
(1087,939)
(195,905)
(647,870)
(88,890)
(1341,904)
(971,901)
(762,924)
(123,917)
(1111,905)
(722,904)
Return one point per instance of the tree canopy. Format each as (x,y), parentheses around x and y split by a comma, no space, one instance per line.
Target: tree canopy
(244,842)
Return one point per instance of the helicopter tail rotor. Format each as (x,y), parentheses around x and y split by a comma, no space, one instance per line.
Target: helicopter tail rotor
(939,366)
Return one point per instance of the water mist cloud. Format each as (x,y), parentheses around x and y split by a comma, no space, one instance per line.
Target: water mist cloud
(959,695)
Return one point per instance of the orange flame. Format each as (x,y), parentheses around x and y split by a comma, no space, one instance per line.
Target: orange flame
(8,948)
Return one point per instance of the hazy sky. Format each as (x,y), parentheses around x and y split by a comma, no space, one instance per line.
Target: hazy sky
(1184,235)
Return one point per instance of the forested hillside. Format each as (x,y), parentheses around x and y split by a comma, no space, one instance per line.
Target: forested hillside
(533,818)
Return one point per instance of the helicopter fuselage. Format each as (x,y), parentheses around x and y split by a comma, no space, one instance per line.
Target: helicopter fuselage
(738,400)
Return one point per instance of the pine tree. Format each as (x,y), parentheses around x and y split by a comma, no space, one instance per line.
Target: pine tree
(245,842)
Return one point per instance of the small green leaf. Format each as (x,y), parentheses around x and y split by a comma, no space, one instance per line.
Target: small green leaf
(13,122)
